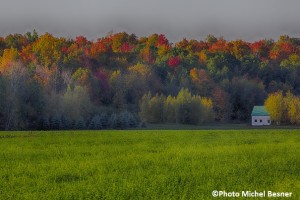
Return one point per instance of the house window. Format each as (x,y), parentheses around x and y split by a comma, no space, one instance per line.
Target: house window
(269,121)
(260,120)
(255,120)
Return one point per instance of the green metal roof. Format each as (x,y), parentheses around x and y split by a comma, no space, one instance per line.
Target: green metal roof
(259,111)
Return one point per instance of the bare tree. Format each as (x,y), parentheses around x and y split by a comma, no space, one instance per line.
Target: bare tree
(17,75)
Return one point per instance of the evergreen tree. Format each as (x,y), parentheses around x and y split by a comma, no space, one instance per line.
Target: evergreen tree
(80,124)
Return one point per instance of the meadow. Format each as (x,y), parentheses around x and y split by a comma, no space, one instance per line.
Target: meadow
(147,164)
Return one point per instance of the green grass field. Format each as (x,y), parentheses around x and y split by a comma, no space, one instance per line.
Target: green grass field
(147,164)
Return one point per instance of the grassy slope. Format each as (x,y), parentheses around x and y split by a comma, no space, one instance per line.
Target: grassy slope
(147,164)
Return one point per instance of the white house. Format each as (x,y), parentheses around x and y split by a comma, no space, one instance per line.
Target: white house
(260,116)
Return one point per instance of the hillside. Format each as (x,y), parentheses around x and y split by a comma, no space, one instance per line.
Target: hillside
(48,82)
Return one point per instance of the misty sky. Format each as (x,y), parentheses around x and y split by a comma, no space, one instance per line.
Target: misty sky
(233,19)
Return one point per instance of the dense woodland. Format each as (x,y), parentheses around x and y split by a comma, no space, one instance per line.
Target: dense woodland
(121,81)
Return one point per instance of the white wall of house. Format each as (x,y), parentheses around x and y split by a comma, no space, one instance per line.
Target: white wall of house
(261,120)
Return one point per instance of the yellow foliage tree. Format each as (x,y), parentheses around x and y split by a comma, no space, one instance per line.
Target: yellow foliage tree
(208,113)
(9,57)
(140,69)
(292,104)
(48,49)
(276,107)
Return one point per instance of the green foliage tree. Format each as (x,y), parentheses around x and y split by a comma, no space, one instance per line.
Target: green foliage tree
(16,41)
(76,104)
(152,108)
(185,108)
(32,37)
(211,39)
(222,65)
(244,94)
(169,109)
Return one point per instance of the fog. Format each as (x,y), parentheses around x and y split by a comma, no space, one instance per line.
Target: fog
(233,19)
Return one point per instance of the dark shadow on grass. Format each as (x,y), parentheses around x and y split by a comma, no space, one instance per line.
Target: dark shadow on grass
(65,178)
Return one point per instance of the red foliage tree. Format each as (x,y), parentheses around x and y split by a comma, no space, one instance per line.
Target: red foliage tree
(127,48)
(219,46)
(81,41)
(98,48)
(281,51)
(257,46)
(162,40)
(174,62)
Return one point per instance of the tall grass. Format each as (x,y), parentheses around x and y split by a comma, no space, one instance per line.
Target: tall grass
(147,164)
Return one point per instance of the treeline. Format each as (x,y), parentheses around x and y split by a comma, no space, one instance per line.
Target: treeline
(62,83)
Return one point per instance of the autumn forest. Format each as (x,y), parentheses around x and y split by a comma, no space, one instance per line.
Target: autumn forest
(123,81)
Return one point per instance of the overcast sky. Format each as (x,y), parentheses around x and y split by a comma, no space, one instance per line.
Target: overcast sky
(233,19)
